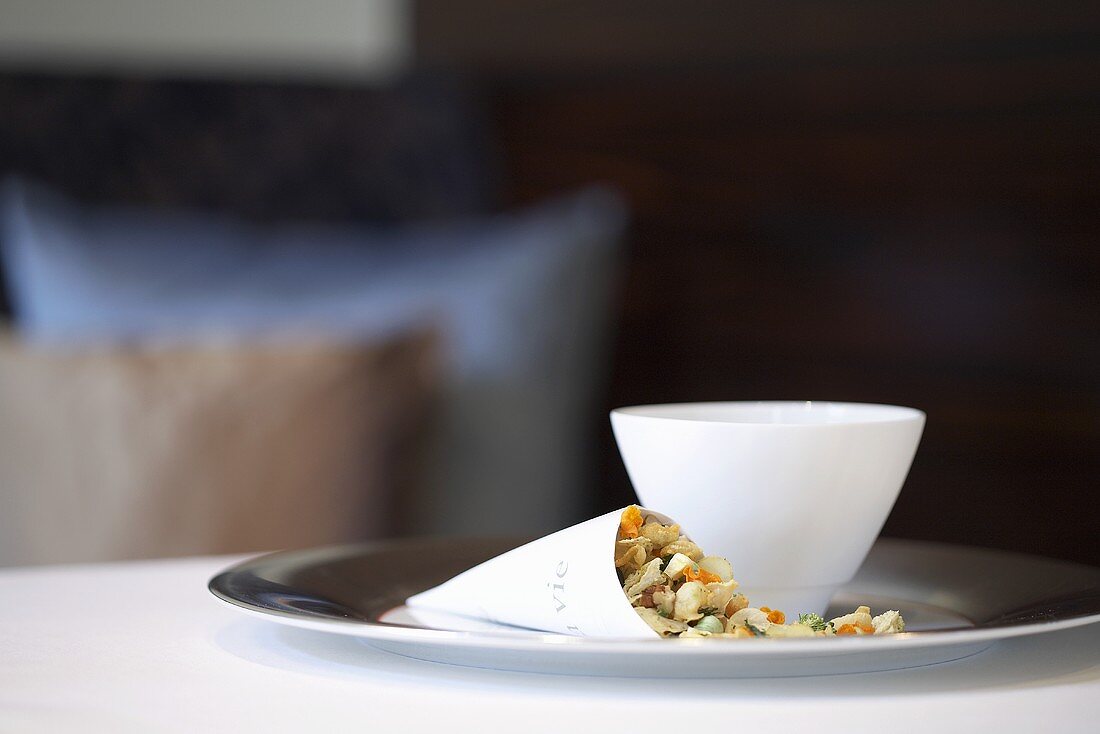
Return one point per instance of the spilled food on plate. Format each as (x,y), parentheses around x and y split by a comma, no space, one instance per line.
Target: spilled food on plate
(680,592)
(628,574)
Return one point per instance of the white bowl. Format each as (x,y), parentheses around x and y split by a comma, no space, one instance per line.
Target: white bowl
(792,493)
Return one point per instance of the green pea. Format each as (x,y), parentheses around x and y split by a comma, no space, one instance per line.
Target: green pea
(709,623)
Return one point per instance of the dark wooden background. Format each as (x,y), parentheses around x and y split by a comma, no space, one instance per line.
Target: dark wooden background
(837,200)
(847,200)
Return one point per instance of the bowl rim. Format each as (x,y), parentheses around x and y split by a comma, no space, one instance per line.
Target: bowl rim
(873,413)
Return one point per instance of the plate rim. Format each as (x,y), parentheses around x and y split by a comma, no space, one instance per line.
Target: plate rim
(537,641)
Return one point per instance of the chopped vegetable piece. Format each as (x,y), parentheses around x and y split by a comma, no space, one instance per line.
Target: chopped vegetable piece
(695,573)
(814,621)
(631,522)
(774,615)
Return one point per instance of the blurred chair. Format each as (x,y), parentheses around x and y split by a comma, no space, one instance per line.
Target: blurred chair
(520,303)
(127,452)
(254,214)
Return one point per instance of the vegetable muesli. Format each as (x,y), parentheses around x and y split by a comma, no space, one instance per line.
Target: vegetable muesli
(680,592)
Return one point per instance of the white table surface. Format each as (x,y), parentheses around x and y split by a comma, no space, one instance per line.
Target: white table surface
(144,647)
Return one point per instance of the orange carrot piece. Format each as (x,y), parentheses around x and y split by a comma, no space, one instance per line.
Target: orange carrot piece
(694,573)
(631,522)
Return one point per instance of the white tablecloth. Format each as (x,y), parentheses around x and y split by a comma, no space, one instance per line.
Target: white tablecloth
(144,647)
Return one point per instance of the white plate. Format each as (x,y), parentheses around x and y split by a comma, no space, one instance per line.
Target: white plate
(957,601)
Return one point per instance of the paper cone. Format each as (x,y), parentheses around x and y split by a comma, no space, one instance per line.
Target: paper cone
(565,582)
